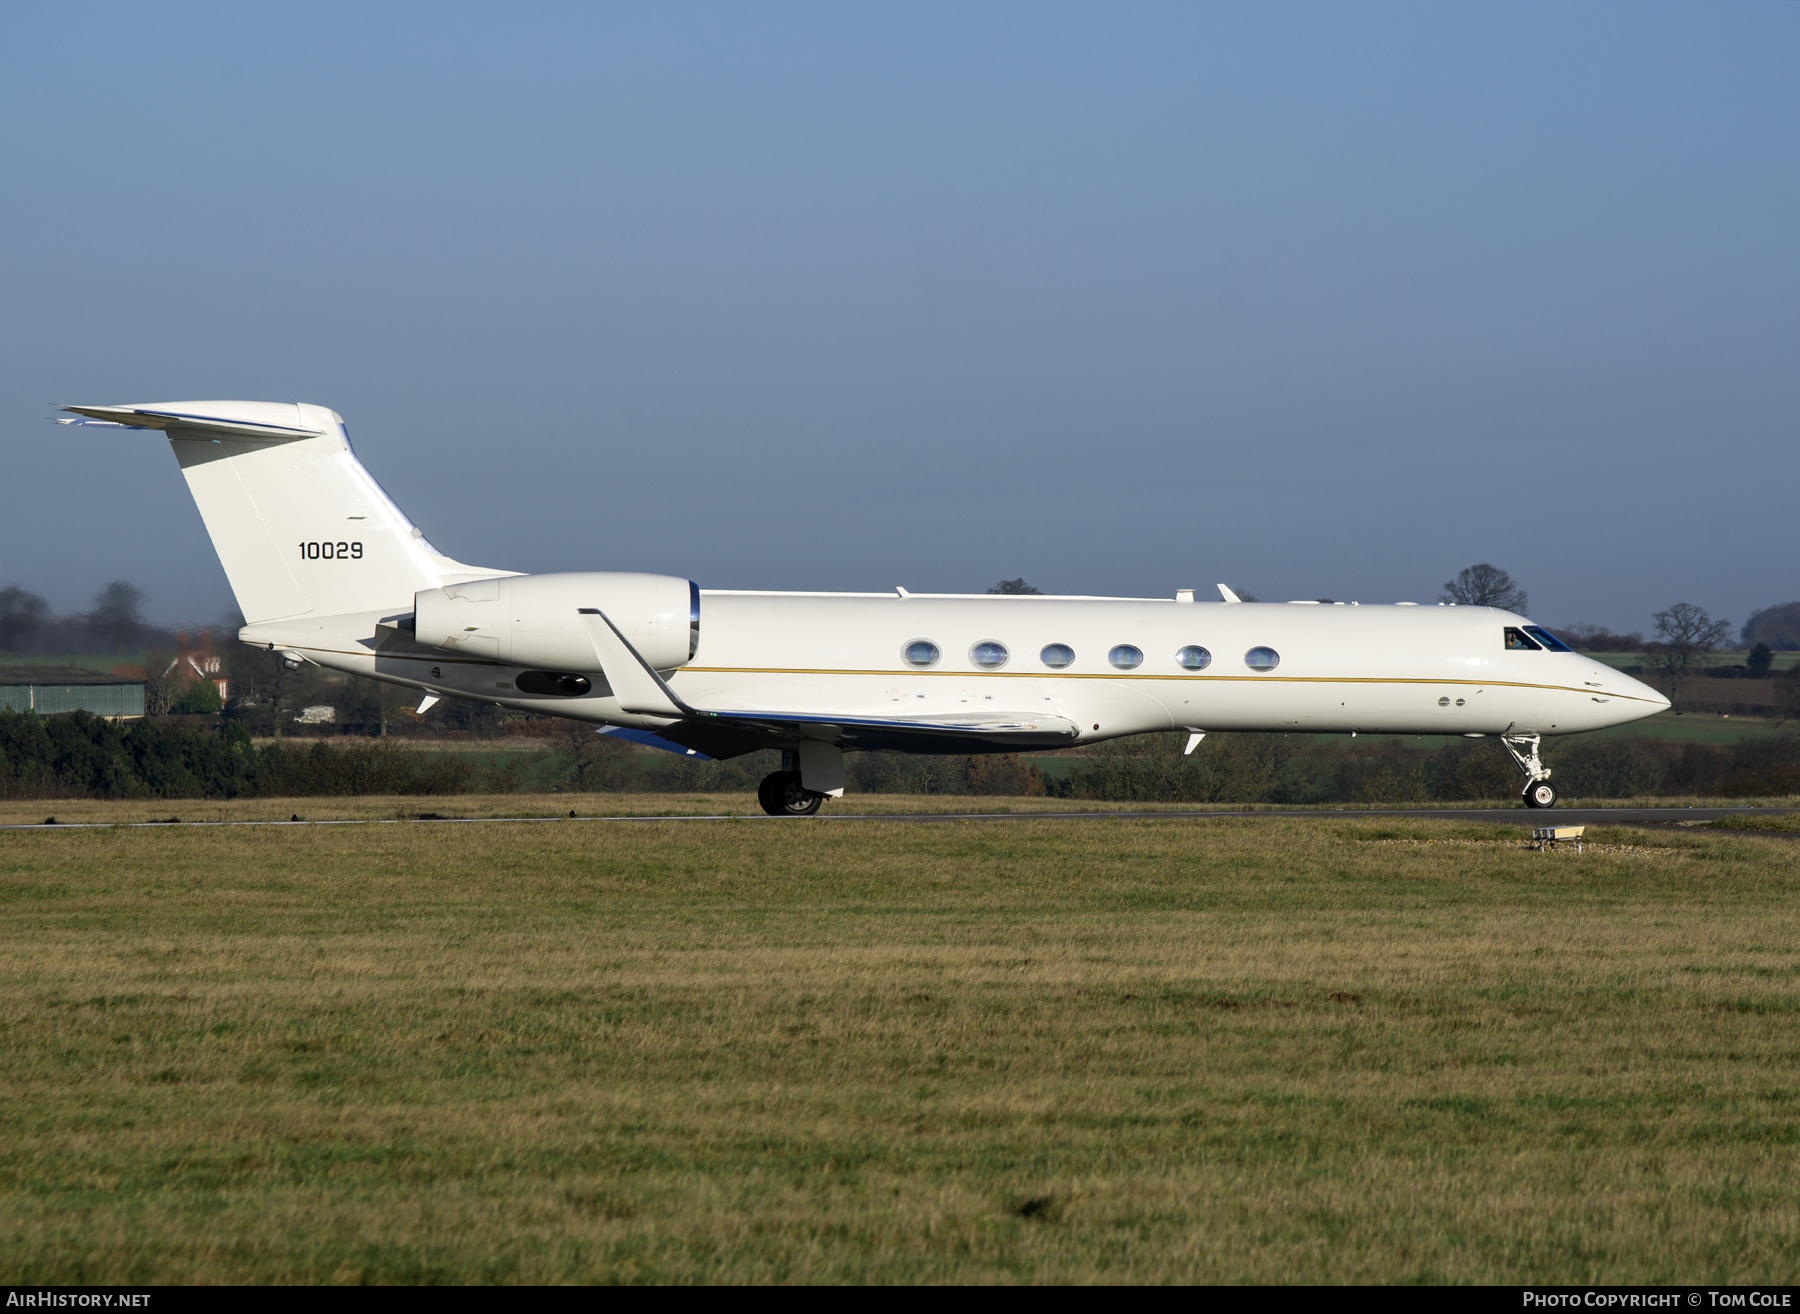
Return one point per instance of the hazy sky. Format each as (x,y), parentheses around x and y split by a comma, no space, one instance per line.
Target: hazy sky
(1317,299)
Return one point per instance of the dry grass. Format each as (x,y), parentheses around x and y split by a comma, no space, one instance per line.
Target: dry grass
(1131,1051)
(1787,822)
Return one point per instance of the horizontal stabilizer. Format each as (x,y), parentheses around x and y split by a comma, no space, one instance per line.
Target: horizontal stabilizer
(147,417)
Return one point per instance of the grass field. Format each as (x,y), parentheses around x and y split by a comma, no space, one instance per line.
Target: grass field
(1786,823)
(780,1051)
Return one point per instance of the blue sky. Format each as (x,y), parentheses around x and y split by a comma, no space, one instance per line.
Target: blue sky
(1320,300)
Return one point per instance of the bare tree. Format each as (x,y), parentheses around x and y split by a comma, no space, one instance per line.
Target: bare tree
(595,762)
(1484,586)
(1013,586)
(1684,634)
(162,683)
(1597,638)
(21,617)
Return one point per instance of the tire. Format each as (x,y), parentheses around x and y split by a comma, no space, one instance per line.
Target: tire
(1540,794)
(765,792)
(782,795)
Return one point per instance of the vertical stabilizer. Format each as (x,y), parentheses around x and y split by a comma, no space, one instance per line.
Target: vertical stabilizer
(300,527)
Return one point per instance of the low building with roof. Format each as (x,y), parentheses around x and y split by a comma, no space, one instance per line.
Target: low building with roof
(47,690)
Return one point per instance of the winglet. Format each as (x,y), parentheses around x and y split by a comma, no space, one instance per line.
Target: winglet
(641,691)
(1228,595)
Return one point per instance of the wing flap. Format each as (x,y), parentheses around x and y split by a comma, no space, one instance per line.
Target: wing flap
(728,734)
(1002,726)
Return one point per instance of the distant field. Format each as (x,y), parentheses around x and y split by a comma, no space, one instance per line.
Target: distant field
(1693,727)
(1736,657)
(781,1051)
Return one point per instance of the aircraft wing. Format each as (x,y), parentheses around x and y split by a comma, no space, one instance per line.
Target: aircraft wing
(643,692)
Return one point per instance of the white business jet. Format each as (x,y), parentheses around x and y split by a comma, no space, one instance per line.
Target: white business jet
(327,569)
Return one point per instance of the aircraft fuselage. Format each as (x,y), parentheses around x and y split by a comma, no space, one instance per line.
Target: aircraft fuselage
(1339,667)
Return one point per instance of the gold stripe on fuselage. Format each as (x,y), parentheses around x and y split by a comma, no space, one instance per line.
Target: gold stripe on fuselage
(1121,675)
(1023,675)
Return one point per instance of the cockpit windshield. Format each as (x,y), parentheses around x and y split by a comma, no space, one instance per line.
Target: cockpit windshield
(1548,639)
(1517,642)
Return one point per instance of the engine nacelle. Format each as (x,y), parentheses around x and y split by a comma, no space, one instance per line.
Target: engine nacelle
(536,620)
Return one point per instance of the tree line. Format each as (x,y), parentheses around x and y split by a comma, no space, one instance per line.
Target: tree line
(114,624)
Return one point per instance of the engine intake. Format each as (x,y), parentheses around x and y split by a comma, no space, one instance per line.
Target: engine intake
(535,620)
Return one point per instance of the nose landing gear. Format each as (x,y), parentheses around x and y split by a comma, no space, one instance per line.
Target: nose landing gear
(1539,792)
(782,795)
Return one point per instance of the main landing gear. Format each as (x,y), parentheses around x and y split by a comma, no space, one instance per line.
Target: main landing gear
(810,774)
(782,795)
(1539,792)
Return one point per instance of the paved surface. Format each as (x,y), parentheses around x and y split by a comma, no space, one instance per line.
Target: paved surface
(1520,816)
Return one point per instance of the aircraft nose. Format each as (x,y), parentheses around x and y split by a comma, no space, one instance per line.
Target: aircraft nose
(1625,698)
(1651,696)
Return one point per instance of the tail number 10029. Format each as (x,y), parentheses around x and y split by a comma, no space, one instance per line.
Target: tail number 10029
(331,552)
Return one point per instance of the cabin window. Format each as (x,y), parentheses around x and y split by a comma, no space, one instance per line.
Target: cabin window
(1057,655)
(552,684)
(920,653)
(1517,642)
(1548,639)
(1193,658)
(1262,659)
(989,656)
(1126,657)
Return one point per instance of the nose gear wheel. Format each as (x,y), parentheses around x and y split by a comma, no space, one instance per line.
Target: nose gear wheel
(1540,795)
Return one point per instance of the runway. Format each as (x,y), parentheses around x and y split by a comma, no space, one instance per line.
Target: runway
(1520,816)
